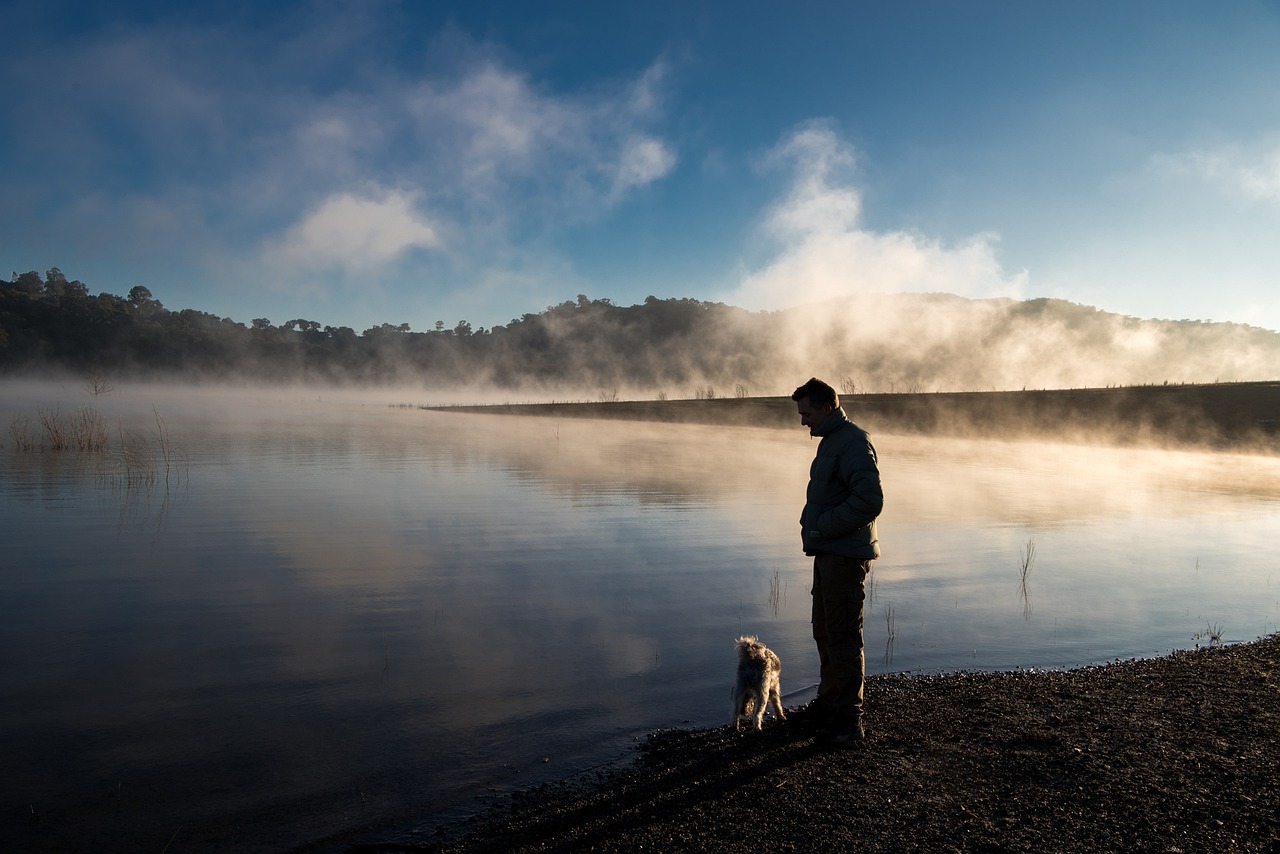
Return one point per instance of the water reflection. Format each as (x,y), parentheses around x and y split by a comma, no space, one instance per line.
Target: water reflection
(349,611)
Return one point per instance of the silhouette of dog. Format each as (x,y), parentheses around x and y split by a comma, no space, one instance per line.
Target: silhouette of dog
(759,683)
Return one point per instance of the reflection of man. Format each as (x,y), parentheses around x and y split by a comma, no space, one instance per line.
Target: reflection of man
(838,528)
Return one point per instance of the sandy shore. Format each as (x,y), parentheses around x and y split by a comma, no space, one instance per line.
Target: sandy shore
(1178,754)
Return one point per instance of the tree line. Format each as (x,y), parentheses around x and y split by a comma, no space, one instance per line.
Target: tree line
(52,324)
(678,347)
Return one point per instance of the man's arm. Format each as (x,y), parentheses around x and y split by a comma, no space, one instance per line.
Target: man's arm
(866,498)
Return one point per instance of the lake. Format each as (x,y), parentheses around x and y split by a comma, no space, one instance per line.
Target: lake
(260,618)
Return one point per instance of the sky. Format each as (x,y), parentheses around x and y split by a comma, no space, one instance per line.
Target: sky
(431,162)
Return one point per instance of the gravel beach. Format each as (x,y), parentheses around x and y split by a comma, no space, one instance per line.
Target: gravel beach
(1175,754)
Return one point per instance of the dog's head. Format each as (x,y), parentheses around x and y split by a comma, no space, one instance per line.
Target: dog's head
(747,644)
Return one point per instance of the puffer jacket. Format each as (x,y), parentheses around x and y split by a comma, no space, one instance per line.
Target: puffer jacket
(844,496)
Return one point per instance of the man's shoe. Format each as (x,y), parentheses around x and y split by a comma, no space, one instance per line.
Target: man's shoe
(843,735)
(812,717)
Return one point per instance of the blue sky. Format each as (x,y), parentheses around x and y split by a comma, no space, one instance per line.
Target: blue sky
(371,162)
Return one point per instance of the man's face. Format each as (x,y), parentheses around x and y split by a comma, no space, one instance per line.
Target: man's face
(812,416)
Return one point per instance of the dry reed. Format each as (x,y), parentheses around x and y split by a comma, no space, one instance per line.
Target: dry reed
(89,429)
(20,430)
(83,430)
(891,633)
(1028,557)
(56,432)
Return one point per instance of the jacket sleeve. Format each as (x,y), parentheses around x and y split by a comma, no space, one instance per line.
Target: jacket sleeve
(865,500)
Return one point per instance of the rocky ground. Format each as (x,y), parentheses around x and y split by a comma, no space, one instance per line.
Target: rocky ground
(1177,754)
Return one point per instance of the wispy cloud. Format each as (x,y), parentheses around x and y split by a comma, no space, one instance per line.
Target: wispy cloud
(822,250)
(508,165)
(305,149)
(1251,171)
(355,234)
(494,136)
(643,160)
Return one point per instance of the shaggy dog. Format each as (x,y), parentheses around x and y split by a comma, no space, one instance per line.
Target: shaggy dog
(759,682)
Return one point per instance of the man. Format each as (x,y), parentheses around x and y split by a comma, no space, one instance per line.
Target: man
(838,528)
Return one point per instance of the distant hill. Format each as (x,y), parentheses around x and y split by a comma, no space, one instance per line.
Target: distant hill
(675,348)
(940,342)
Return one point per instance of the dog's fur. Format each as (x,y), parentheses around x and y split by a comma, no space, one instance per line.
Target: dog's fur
(759,682)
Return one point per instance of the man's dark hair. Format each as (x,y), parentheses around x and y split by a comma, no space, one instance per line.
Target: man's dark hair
(818,392)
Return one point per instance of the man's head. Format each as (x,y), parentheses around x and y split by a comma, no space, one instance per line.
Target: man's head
(815,401)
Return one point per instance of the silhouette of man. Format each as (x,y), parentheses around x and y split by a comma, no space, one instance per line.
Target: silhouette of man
(838,529)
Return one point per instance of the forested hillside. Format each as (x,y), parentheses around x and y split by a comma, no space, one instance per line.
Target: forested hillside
(663,347)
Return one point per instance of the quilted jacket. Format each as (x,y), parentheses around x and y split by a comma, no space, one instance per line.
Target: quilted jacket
(844,495)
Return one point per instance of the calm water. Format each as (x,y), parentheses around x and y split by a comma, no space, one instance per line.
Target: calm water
(331,613)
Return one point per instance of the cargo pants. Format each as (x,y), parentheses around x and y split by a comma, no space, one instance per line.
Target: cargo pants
(839,592)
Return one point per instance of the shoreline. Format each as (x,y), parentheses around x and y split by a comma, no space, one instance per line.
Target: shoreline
(1175,753)
(1221,416)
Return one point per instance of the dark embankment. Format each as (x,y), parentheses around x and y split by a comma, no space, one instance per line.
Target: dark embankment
(1227,415)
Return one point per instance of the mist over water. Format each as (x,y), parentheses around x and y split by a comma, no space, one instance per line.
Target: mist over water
(345,611)
(941,342)
(863,342)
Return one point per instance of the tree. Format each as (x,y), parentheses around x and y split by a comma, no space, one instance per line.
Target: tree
(344,335)
(141,301)
(55,283)
(97,383)
(386,329)
(29,282)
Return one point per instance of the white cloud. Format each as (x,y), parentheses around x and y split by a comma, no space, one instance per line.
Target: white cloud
(491,120)
(645,159)
(818,203)
(824,251)
(323,156)
(354,233)
(245,134)
(1250,171)
(497,142)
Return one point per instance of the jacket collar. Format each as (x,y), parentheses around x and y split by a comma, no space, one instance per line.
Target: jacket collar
(833,422)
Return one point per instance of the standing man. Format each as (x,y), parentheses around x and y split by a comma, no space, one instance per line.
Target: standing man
(838,528)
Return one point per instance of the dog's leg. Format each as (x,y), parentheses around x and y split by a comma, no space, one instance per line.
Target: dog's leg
(775,697)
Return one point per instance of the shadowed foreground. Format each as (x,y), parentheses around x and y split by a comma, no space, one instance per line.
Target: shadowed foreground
(1180,753)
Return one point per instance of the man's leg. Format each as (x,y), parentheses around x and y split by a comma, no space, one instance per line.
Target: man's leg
(839,592)
(826,676)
